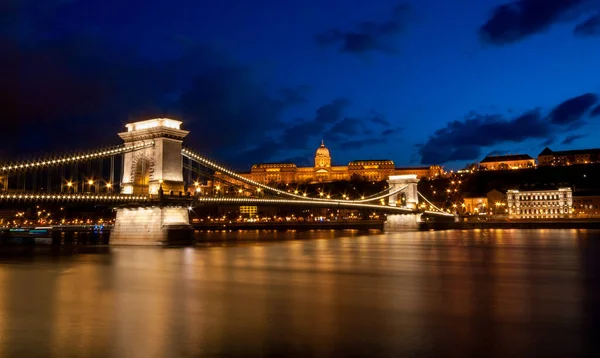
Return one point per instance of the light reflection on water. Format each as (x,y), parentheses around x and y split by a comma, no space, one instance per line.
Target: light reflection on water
(324,293)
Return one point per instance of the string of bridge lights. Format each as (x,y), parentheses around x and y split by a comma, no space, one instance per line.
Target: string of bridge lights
(96,154)
(429,202)
(202,160)
(75,197)
(300,202)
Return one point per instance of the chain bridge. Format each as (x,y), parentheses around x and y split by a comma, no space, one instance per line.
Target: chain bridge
(151,180)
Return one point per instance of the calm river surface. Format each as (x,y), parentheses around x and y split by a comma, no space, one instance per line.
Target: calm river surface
(496,293)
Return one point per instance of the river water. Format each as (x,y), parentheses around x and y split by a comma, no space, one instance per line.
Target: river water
(480,293)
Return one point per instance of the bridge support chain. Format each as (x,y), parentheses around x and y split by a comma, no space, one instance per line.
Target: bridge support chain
(152,226)
(400,222)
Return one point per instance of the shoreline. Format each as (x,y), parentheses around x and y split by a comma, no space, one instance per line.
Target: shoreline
(517,224)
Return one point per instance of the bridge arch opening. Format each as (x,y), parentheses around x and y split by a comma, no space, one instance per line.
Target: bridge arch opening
(141,176)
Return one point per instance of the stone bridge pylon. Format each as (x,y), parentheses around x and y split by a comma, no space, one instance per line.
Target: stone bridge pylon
(147,169)
(145,172)
(408,198)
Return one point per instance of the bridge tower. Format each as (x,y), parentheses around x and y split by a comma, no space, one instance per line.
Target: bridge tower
(145,172)
(408,198)
(148,169)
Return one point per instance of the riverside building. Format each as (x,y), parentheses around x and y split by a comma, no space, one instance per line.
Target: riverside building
(540,204)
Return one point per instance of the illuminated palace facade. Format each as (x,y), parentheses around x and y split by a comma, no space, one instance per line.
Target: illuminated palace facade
(323,171)
(540,204)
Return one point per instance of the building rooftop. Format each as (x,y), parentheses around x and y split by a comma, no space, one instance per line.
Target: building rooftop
(412,168)
(274,165)
(375,161)
(548,151)
(506,158)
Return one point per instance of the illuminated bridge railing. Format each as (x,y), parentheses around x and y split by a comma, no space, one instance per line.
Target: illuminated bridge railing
(220,168)
(84,198)
(346,204)
(72,158)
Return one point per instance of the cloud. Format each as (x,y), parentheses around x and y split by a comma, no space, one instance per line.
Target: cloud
(590,27)
(348,126)
(359,143)
(572,138)
(329,123)
(595,112)
(297,134)
(379,119)
(548,141)
(295,95)
(464,140)
(368,36)
(573,109)
(516,20)
(388,132)
(84,88)
(228,110)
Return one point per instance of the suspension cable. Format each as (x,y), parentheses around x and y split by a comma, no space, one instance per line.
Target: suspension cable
(215,166)
(428,202)
(73,158)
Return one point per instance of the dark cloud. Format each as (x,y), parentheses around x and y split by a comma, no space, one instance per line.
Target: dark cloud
(590,27)
(573,109)
(83,89)
(329,122)
(572,138)
(295,95)
(516,20)
(380,119)
(548,141)
(368,35)
(463,140)
(388,132)
(595,112)
(228,111)
(297,134)
(359,143)
(348,126)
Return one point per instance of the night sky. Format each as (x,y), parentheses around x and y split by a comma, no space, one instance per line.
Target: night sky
(418,82)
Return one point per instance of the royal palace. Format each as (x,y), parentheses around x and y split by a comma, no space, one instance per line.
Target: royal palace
(323,171)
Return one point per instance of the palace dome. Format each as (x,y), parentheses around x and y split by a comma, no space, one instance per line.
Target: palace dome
(322,151)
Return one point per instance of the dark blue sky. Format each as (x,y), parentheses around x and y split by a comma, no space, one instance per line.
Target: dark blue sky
(418,82)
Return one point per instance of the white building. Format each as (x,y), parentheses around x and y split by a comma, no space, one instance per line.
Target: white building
(540,204)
